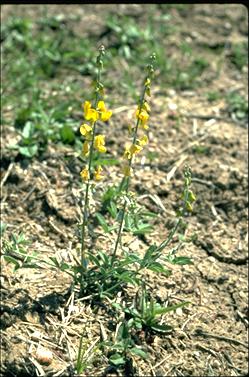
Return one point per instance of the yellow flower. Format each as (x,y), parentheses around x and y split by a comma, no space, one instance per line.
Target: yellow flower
(147,82)
(89,113)
(99,142)
(97,174)
(132,150)
(127,171)
(104,113)
(147,86)
(85,150)
(189,207)
(86,130)
(144,126)
(144,140)
(135,149)
(143,116)
(146,107)
(85,174)
(127,153)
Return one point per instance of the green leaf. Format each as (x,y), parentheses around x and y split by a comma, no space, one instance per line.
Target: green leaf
(105,258)
(149,214)
(123,334)
(148,255)
(117,359)
(180,260)
(138,352)
(64,266)
(22,117)
(131,259)
(12,260)
(142,229)
(94,259)
(106,162)
(110,193)
(55,261)
(117,306)
(102,222)
(28,130)
(128,277)
(30,265)
(128,221)
(157,267)
(161,310)
(112,208)
(29,151)
(67,135)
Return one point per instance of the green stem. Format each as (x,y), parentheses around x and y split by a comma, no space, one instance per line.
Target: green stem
(86,201)
(127,179)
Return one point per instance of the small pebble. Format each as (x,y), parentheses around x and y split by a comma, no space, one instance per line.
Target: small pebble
(215,364)
(44,356)
(179,311)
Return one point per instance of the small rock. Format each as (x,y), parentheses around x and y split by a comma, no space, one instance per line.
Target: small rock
(179,311)
(44,356)
(172,106)
(171,93)
(215,364)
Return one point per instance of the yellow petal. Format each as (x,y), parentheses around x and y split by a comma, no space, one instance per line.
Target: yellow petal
(97,173)
(85,129)
(143,126)
(127,154)
(101,106)
(101,149)
(87,105)
(142,115)
(92,114)
(134,149)
(106,115)
(146,107)
(85,174)
(147,82)
(99,142)
(144,140)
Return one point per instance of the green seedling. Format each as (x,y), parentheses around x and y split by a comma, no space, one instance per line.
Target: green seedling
(123,348)
(145,311)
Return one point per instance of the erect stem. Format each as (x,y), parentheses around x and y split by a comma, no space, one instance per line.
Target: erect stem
(127,179)
(86,201)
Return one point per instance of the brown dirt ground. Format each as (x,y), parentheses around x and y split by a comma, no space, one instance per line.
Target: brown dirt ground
(41,199)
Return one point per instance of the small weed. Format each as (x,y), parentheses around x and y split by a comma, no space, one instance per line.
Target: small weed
(239,55)
(123,347)
(213,96)
(237,106)
(201,149)
(126,35)
(145,311)
(15,251)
